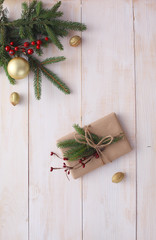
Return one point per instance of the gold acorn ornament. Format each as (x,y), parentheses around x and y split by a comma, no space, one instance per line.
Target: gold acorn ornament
(18,68)
(75,41)
(118,177)
(14,98)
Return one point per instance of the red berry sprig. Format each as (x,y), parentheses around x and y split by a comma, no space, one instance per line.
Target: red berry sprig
(24,48)
(81,163)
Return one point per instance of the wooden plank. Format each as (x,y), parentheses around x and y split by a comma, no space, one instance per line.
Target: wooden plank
(55,203)
(109,210)
(13,153)
(145,32)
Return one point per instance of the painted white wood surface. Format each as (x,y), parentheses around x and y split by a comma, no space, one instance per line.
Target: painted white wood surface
(145,32)
(55,203)
(109,210)
(113,70)
(13,155)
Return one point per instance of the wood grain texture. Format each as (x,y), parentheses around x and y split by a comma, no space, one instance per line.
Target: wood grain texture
(113,70)
(109,210)
(55,203)
(145,32)
(13,154)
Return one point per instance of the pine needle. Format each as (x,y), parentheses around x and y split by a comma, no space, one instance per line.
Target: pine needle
(37,83)
(53,37)
(75,153)
(53,60)
(55,80)
(79,130)
(56,6)
(49,74)
(11,80)
(38,8)
(68,143)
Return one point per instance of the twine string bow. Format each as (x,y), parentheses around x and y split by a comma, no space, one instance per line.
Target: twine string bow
(99,147)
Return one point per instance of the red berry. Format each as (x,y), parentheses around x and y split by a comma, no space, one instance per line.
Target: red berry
(11,43)
(16,48)
(68,172)
(39,42)
(51,154)
(83,165)
(11,52)
(51,169)
(65,159)
(46,38)
(23,50)
(30,51)
(26,44)
(7,48)
(33,43)
(96,155)
(80,161)
(38,46)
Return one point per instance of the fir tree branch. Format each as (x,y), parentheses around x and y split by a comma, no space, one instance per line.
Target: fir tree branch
(11,80)
(32,8)
(38,8)
(55,80)
(79,130)
(49,75)
(68,143)
(24,10)
(21,32)
(1,5)
(53,60)
(56,7)
(53,37)
(37,83)
(69,25)
(75,153)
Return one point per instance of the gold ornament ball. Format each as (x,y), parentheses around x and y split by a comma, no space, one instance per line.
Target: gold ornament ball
(118,177)
(18,68)
(14,98)
(75,41)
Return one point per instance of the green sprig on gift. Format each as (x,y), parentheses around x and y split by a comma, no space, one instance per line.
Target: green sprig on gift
(38,27)
(76,150)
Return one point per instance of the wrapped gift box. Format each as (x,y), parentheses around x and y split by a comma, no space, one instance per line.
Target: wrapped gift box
(109,125)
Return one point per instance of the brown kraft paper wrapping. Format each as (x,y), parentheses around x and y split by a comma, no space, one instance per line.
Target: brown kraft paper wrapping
(109,125)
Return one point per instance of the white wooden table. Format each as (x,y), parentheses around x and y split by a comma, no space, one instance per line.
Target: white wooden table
(114,70)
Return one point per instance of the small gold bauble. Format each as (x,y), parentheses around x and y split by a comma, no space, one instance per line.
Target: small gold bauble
(18,68)
(118,177)
(14,98)
(75,41)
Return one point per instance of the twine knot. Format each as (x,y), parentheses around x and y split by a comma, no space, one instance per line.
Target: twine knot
(99,147)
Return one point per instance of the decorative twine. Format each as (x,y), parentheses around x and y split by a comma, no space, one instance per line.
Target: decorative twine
(99,147)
